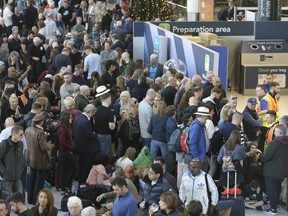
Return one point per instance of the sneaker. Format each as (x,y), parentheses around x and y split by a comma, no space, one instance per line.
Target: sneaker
(271,211)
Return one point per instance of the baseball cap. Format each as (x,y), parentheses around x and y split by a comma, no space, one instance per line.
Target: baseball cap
(252,101)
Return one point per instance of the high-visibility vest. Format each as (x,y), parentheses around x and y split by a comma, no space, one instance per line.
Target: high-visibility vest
(269,135)
(272,104)
(262,117)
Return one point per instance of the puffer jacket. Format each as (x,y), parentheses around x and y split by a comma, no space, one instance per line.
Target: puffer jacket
(11,159)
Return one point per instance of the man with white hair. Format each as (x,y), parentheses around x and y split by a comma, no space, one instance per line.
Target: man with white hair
(196,80)
(119,31)
(35,54)
(81,99)
(85,142)
(170,91)
(154,69)
(129,65)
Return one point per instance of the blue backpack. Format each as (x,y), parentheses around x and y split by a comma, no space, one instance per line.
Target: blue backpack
(174,141)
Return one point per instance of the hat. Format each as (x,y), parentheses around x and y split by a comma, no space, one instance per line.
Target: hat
(101,90)
(252,101)
(38,117)
(204,111)
(2,63)
(54,44)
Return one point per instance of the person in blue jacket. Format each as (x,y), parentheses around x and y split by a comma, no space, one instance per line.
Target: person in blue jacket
(197,137)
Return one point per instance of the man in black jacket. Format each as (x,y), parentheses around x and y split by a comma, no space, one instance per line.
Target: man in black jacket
(11,162)
(274,168)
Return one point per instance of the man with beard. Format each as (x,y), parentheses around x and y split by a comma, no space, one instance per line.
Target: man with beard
(212,100)
(17,203)
(251,120)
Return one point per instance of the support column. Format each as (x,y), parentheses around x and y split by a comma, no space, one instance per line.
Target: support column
(269,10)
(193,9)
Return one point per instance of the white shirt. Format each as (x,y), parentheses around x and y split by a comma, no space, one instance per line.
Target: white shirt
(93,62)
(7,16)
(50,28)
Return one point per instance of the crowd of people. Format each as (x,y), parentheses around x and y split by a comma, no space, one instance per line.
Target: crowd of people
(76,107)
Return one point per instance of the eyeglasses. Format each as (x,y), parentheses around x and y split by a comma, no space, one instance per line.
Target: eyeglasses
(234,98)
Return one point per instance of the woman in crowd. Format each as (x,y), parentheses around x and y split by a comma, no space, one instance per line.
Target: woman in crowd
(168,205)
(66,146)
(158,98)
(121,82)
(124,133)
(232,148)
(134,122)
(127,159)
(133,82)
(124,103)
(119,53)
(74,205)
(158,131)
(183,104)
(225,115)
(13,110)
(132,175)
(98,173)
(45,204)
(4,53)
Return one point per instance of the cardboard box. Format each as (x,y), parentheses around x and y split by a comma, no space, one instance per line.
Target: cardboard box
(221,41)
(206,36)
(194,39)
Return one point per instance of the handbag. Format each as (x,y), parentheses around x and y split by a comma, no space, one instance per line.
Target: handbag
(216,211)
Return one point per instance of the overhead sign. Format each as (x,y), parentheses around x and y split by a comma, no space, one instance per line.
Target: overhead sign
(219,28)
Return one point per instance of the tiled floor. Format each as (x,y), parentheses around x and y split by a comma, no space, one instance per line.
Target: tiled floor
(242,100)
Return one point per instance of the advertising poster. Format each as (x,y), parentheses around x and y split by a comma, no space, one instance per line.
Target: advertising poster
(206,10)
(280,78)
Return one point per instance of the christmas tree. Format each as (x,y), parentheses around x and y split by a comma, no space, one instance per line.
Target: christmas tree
(148,10)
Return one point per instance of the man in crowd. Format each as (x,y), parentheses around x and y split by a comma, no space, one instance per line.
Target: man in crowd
(129,65)
(37,159)
(170,91)
(106,54)
(198,145)
(12,158)
(194,185)
(92,63)
(145,114)
(154,69)
(109,77)
(105,121)
(154,186)
(63,60)
(125,203)
(271,118)
(81,100)
(68,89)
(79,32)
(85,142)
(274,160)
(17,203)
(213,100)
(251,120)
(187,87)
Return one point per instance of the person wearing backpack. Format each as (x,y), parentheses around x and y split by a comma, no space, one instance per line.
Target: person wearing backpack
(234,151)
(171,126)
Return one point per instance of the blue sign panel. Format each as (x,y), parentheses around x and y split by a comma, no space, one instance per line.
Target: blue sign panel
(219,28)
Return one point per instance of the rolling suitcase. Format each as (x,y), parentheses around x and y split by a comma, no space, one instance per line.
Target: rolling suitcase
(237,204)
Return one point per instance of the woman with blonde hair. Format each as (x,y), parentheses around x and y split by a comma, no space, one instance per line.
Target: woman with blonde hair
(124,104)
(13,110)
(157,129)
(225,115)
(127,159)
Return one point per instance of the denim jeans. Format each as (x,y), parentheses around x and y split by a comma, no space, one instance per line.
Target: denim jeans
(36,183)
(105,142)
(9,187)
(147,142)
(155,146)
